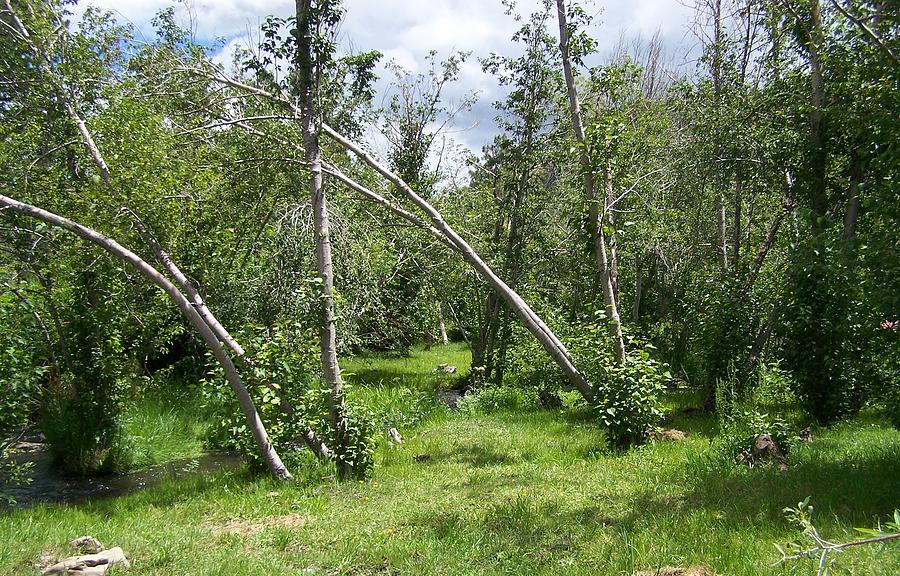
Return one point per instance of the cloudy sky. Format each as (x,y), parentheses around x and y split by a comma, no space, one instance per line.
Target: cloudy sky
(405,30)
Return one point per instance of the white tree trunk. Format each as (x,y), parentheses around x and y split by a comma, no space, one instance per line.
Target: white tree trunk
(590,192)
(721,234)
(307,92)
(441,324)
(532,321)
(267,450)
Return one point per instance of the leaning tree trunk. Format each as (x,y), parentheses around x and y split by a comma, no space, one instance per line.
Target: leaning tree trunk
(442,231)
(48,66)
(590,192)
(307,89)
(531,321)
(267,450)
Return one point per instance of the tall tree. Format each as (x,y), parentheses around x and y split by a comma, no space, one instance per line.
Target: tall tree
(596,217)
(315,21)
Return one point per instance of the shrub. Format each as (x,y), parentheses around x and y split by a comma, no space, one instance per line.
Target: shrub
(742,417)
(627,397)
(284,364)
(82,408)
(491,399)
(892,405)
(829,330)
(82,427)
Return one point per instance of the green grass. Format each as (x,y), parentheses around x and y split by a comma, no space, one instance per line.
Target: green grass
(413,371)
(159,430)
(402,392)
(527,493)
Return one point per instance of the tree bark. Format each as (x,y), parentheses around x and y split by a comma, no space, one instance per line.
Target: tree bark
(853,202)
(638,289)
(307,89)
(590,192)
(768,242)
(267,450)
(738,226)
(532,321)
(442,326)
(462,329)
(721,234)
(721,229)
(818,156)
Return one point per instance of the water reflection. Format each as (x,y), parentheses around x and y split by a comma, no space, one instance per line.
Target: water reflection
(48,484)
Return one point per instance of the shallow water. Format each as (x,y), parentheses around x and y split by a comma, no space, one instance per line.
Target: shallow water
(450,397)
(48,484)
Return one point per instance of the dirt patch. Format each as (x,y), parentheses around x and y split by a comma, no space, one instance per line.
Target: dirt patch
(673,571)
(242,527)
(670,434)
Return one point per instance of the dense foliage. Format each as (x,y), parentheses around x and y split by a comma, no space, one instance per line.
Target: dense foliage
(748,207)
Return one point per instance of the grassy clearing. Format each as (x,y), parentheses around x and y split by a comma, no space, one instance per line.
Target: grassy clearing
(524,493)
(413,371)
(402,391)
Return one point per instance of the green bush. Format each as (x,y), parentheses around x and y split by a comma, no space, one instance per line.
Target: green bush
(627,397)
(745,415)
(829,331)
(491,399)
(892,406)
(82,427)
(82,408)
(284,363)
(22,371)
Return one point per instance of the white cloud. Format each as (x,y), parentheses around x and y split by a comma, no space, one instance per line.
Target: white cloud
(406,30)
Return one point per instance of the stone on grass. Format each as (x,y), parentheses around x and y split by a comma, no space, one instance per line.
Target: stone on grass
(89,564)
(764,448)
(445,368)
(87,545)
(669,434)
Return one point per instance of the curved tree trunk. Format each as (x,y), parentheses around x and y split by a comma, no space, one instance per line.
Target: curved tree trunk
(267,450)
(210,330)
(532,321)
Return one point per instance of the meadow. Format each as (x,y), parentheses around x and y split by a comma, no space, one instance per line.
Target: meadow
(526,491)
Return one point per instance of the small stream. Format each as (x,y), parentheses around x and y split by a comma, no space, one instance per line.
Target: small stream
(48,484)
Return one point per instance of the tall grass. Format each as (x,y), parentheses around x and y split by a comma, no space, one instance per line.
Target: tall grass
(160,428)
